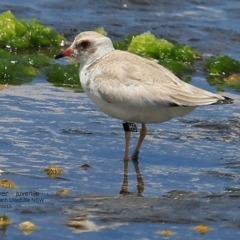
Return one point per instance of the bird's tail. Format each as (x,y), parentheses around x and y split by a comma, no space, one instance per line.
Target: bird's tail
(226,100)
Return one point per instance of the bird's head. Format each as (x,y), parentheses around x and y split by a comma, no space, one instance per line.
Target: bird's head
(88,47)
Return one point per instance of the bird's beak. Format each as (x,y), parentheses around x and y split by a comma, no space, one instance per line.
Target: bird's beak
(66,53)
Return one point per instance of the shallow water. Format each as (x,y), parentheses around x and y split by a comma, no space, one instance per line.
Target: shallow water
(188,170)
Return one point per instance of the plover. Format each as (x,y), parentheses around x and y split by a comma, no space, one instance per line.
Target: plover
(131,88)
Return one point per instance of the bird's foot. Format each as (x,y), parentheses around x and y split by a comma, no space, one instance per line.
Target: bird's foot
(124,192)
(135,155)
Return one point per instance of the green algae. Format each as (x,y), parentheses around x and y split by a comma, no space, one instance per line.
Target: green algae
(101,30)
(124,44)
(185,53)
(144,45)
(177,67)
(232,81)
(64,76)
(19,69)
(222,72)
(178,58)
(165,49)
(21,34)
(221,65)
(14,70)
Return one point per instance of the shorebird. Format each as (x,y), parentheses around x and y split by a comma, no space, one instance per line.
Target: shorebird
(131,88)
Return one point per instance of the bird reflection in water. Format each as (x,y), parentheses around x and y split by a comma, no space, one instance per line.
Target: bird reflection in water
(140,184)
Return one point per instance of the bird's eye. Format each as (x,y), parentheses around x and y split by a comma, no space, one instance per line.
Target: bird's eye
(84,44)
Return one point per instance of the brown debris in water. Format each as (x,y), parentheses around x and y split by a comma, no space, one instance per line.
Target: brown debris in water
(5,183)
(202,229)
(53,171)
(167,233)
(63,192)
(85,166)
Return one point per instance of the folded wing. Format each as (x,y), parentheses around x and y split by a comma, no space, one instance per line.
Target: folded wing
(142,83)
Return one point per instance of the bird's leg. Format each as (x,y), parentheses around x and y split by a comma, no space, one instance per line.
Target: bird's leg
(143,134)
(128,128)
(127,145)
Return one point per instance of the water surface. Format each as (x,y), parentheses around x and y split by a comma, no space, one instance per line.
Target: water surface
(188,170)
